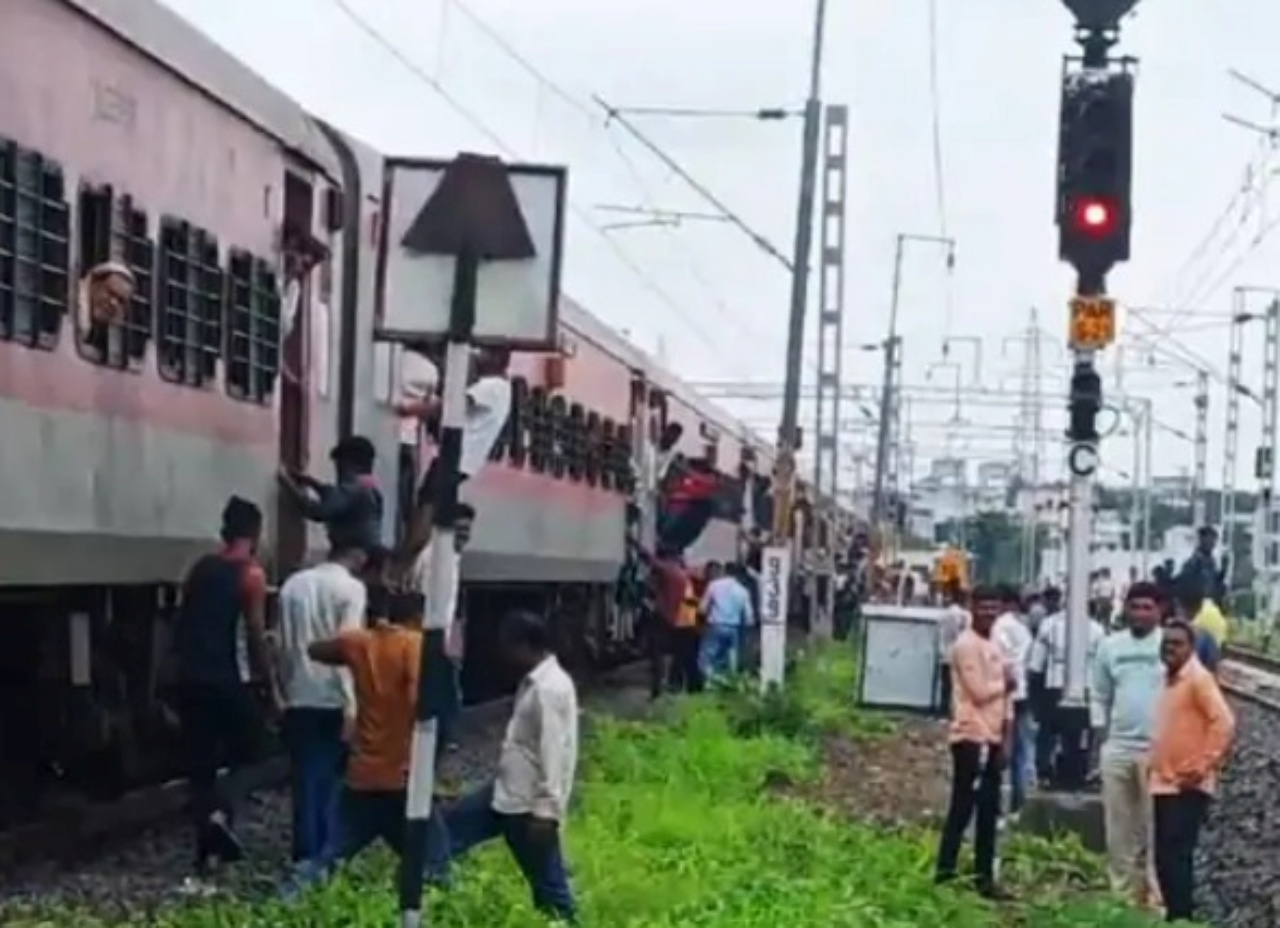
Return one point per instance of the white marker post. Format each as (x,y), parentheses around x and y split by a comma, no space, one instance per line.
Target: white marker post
(471,252)
(775,590)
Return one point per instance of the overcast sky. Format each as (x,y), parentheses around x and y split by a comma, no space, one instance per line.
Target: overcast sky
(718,304)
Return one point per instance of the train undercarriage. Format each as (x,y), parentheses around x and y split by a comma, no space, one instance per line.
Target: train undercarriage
(87,687)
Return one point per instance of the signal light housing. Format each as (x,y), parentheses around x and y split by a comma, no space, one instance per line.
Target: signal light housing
(1095,166)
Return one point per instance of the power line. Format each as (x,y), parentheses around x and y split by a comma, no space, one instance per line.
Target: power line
(557,90)
(939,172)
(644,278)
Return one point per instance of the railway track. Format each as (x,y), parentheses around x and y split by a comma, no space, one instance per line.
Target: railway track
(1252,675)
(82,829)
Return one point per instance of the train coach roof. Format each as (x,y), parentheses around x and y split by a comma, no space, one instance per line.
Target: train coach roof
(166,37)
(588,326)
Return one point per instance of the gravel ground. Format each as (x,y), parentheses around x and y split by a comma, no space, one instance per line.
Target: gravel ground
(150,870)
(1239,866)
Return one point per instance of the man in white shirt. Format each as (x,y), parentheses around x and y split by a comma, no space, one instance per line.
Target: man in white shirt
(419,378)
(488,408)
(955,619)
(1010,632)
(528,801)
(420,581)
(1058,755)
(317,604)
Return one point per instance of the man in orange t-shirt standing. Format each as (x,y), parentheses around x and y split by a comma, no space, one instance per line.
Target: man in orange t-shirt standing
(982,711)
(1194,728)
(384,665)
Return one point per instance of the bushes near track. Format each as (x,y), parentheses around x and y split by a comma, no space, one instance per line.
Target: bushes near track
(686,821)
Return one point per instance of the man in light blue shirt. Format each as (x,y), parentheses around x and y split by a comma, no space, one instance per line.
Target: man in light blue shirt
(726,603)
(1127,679)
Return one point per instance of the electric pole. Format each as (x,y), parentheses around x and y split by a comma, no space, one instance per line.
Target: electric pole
(1094,217)
(789,429)
(888,433)
(1200,475)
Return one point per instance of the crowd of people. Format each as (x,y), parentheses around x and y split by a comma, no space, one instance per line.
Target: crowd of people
(1155,734)
(341,672)
(342,667)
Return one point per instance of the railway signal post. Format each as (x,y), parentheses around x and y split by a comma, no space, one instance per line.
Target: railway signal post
(1094,217)
(470,256)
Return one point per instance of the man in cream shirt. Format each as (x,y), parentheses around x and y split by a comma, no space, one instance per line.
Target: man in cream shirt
(528,801)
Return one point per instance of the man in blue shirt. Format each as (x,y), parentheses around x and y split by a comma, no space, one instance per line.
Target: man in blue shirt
(727,605)
(1127,678)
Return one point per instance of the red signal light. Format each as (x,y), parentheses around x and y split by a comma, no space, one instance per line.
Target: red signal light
(1093,216)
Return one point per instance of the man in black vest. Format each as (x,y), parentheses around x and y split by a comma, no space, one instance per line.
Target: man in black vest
(224,592)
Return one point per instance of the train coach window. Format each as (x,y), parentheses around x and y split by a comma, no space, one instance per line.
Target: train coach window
(515,438)
(35,247)
(539,415)
(190,336)
(253,328)
(115,297)
(576,451)
(592,440)
(558,428)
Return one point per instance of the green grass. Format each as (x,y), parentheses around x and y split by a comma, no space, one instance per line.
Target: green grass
(677,825)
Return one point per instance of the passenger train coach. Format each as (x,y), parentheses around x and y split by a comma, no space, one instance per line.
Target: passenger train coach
(131,145)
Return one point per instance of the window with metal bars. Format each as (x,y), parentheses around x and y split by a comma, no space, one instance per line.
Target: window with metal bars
(34,247)
(189,341)
(253,328)
(111,228)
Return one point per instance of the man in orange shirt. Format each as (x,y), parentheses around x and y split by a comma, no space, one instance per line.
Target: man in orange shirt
(982,699)
(384,665)
(1194,728)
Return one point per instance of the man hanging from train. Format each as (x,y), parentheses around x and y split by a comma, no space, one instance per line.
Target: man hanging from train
(223,593)
(464,517)
(419,377)
(351,508)
(687,504)
(488,408)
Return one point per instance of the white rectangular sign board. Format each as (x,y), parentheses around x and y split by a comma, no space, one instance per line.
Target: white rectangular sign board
(900,656)
(775,587)
(516,301)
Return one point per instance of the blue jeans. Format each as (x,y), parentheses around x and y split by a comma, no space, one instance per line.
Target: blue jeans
(471,821)
(367,816)
(720,651)
(1022,760)
(317,755)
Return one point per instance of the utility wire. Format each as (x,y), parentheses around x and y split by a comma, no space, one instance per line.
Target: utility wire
(641,275)
(939,170)
(592,114)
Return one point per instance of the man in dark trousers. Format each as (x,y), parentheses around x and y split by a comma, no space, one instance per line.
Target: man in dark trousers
(669,582)
(224,592)
(982,713)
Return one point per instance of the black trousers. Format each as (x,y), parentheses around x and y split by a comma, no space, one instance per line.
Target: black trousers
(683,675)
(975,788)
(657,647)
(944,690)
(221,726)
(1178,819)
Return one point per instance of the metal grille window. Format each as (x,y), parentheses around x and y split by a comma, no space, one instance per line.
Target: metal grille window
(190,319)
(34,247)
(253,328)
(112,229)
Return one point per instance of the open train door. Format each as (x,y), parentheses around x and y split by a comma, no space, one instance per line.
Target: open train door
(299,249)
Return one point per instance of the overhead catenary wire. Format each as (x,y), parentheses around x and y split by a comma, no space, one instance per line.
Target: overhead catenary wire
(416,70)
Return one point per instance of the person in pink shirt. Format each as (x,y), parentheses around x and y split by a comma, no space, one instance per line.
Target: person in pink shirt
(982,687)
(1193,731)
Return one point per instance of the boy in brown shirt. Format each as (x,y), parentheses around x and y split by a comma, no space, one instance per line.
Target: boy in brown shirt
(384,662)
